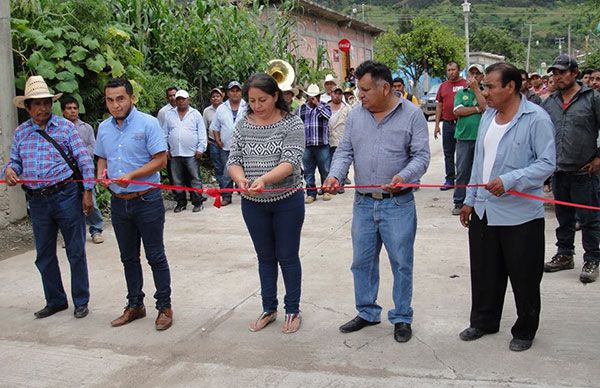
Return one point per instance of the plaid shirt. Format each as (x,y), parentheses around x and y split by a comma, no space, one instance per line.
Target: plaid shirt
(32,157)
(316,123)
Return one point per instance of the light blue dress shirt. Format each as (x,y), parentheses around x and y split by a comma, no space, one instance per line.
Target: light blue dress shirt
(396,145)
(526,156)
(185,136)
(130,147)
(224,123)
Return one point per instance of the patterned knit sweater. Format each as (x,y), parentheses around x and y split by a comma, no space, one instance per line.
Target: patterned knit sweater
(260,148)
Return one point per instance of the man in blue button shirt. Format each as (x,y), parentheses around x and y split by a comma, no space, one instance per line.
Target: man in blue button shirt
(386,139)
(131,147)
(514,150)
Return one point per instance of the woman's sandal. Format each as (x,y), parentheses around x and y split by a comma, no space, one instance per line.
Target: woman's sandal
(292,323)
(263,321)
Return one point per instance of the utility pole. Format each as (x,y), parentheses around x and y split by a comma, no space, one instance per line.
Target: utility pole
(559,42)
(528,48)
(466,9)
(8,115)
(363,11)
(569,41)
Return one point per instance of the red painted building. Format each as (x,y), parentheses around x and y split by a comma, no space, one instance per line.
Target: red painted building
(315,26)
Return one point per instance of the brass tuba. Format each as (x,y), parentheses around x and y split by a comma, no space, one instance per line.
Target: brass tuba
(282,72)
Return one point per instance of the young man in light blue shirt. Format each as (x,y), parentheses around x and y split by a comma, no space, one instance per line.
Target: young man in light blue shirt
(131,147)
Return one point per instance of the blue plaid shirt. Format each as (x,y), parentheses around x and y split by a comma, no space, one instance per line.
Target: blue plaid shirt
(34,158)
(316,123)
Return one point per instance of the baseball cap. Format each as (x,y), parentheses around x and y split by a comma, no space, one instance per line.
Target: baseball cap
(182,94)
(216,90)
(233,84)
(336,88)
(534,74)
(563,62)
(476,66)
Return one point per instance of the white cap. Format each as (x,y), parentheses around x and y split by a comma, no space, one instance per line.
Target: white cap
(182,94)
(476,66)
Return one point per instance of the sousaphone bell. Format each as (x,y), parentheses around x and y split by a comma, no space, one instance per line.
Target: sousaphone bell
(282,72)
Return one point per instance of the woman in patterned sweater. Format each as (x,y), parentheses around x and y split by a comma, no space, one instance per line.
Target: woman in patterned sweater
(265,161)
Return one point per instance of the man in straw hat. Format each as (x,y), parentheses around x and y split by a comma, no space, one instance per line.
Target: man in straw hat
(55,201)
(315,115)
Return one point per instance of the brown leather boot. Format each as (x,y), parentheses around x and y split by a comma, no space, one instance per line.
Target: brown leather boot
(164,320)
(130,314)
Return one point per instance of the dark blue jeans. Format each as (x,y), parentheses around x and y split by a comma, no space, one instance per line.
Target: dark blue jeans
(61,210)
(216,157)
(582,189)
(275,229)
(449,145)
(135,221)
(465,151)
(225,182)
(315,156)
(182,167)
(94,219)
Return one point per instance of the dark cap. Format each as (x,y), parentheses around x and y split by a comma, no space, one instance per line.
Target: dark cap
(563,62)
(234,84)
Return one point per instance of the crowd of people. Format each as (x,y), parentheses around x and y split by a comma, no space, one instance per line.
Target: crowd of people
(502,129)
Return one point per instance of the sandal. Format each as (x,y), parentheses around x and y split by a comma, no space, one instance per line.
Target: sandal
(263,321)
(292,323)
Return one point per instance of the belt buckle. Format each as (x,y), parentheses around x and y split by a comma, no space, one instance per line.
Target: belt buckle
(377,195)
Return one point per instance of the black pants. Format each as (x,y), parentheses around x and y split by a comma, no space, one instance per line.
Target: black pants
(499,253)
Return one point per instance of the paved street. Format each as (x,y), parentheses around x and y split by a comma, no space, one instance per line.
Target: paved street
(216,295)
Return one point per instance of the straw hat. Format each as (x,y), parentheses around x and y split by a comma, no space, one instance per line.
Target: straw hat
(35,87)
(329,78)
(313,90)
(294,91)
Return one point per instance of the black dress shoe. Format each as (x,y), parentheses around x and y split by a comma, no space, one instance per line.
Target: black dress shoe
(402,332)
(356,324)
(197,208)
(48,310)
(518,345)
(471,334)
(179,208)
(81,311)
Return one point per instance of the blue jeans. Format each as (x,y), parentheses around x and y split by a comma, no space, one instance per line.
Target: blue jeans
(94,219)
(275,229)
(315,156)
(138,220)
(182,167)
(61,210)
(393,223)
(449,146)
(582,189)
(465,151)
(225,182)
(217,160)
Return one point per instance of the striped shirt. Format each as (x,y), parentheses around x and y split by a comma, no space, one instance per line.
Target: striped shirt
(316,123)
(34,158)
(260,148)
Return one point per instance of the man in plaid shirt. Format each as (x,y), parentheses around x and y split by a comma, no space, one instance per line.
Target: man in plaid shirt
(55,201)
(315,115)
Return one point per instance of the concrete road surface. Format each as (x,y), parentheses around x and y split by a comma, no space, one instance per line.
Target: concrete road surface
(216,295)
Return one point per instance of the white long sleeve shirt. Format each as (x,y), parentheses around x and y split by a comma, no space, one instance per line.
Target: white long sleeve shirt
(185,136)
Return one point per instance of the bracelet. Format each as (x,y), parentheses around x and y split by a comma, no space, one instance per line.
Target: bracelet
(477,109)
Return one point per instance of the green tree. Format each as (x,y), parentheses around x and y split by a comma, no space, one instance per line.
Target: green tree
(427,48)
(498,41)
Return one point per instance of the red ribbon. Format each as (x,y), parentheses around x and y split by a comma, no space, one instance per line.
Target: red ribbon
(216,193)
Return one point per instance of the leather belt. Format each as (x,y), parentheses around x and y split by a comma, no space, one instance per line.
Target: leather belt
(380,196)
(48,190)
(450,121)
(128,196)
